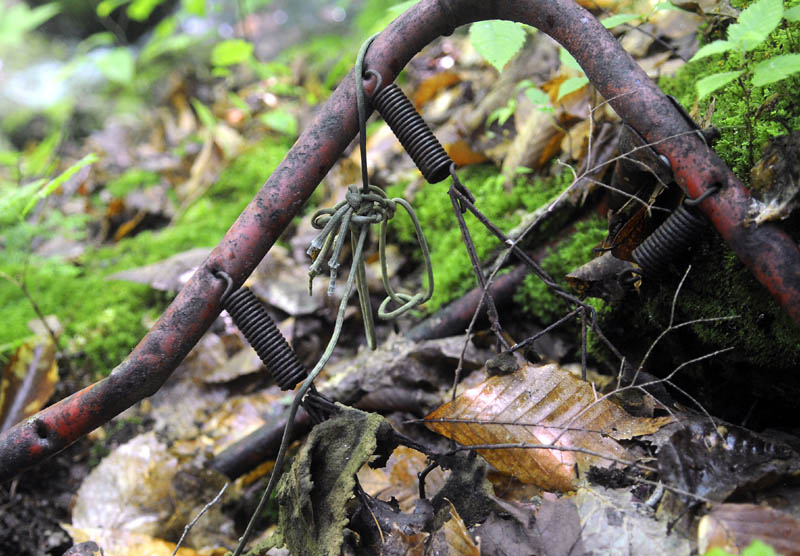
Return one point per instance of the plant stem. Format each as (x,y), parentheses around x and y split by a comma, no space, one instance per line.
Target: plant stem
(748,118)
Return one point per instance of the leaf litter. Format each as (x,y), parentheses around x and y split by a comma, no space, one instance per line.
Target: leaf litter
(541,406)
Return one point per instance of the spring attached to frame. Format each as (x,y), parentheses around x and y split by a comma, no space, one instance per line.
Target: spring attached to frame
(413,133)
(671,238)
(258,327)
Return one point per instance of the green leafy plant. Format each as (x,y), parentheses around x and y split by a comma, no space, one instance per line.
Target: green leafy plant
(753,27)
(18,19)
(497,41)
(756,548)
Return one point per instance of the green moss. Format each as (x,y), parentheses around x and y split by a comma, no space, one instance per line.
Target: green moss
(534,296)
(103,318)
(762,333)
(453,274)
(131,180)
(746,116)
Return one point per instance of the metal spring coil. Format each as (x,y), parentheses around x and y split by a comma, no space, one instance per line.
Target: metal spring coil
(258,327)
(413,133)
(671,238)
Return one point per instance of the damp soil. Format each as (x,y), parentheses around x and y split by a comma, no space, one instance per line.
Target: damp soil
(36,502)
(33,504)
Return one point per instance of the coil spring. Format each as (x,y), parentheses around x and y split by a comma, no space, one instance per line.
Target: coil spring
(413,133)
(672,237)
(258,327)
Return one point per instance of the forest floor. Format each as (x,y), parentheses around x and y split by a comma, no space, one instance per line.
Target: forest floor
(674,432)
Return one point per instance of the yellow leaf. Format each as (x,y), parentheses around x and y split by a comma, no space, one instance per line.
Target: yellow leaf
(459,541)
(400,480)
(27,381)
(119,542)
(537,406)
(428,88)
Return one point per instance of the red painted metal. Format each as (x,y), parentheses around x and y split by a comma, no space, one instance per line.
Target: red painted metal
(772,256)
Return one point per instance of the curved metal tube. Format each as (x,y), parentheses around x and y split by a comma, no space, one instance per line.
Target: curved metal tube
(769,253)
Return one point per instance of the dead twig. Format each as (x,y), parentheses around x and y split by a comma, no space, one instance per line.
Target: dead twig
(198,516)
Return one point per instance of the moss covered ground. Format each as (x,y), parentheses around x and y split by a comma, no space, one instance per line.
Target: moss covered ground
(747,117)
(103,319)
(453,274)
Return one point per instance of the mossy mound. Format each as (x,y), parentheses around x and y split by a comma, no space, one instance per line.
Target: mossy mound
(746,116)
(535,297)
(103,320)
(766,343)
(452,273)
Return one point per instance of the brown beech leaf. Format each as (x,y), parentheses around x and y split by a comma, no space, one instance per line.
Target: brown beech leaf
(121,542)
(733,527)
(462,154)
(630,236)
(533,406)
(399,480)
(453,539)
(428,88)
(27,381)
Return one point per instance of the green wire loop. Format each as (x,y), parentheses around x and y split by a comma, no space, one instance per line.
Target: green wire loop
(361,208)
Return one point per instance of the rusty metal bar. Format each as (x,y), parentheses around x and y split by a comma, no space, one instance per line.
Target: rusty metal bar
(455,317)
(769,253)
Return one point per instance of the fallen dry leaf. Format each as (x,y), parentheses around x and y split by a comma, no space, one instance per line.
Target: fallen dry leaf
(733,527)
(533,406)
(119,542)
(462,154)
(28,381)
(131,489)
(459,541)
(399,479)
(428,88)
(529,145)
(612,524)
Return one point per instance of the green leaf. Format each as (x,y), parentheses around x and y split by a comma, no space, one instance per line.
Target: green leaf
(118,66)
(13,199)
(666,6)
(792,14)
(140,10)
(711,83)
(497,40)
(537,96)
(19,19)
(195,7)
(96,40)
(775,68)
(397,9)
(280,121)
(568,59)
(502,114)
(156,48)
(204,114)
(570,86)
(712,48)
(755,23)
(56,182)
(230,52)
(759,548)
(618,19)
(239,102)
(105,7)
(36,162)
